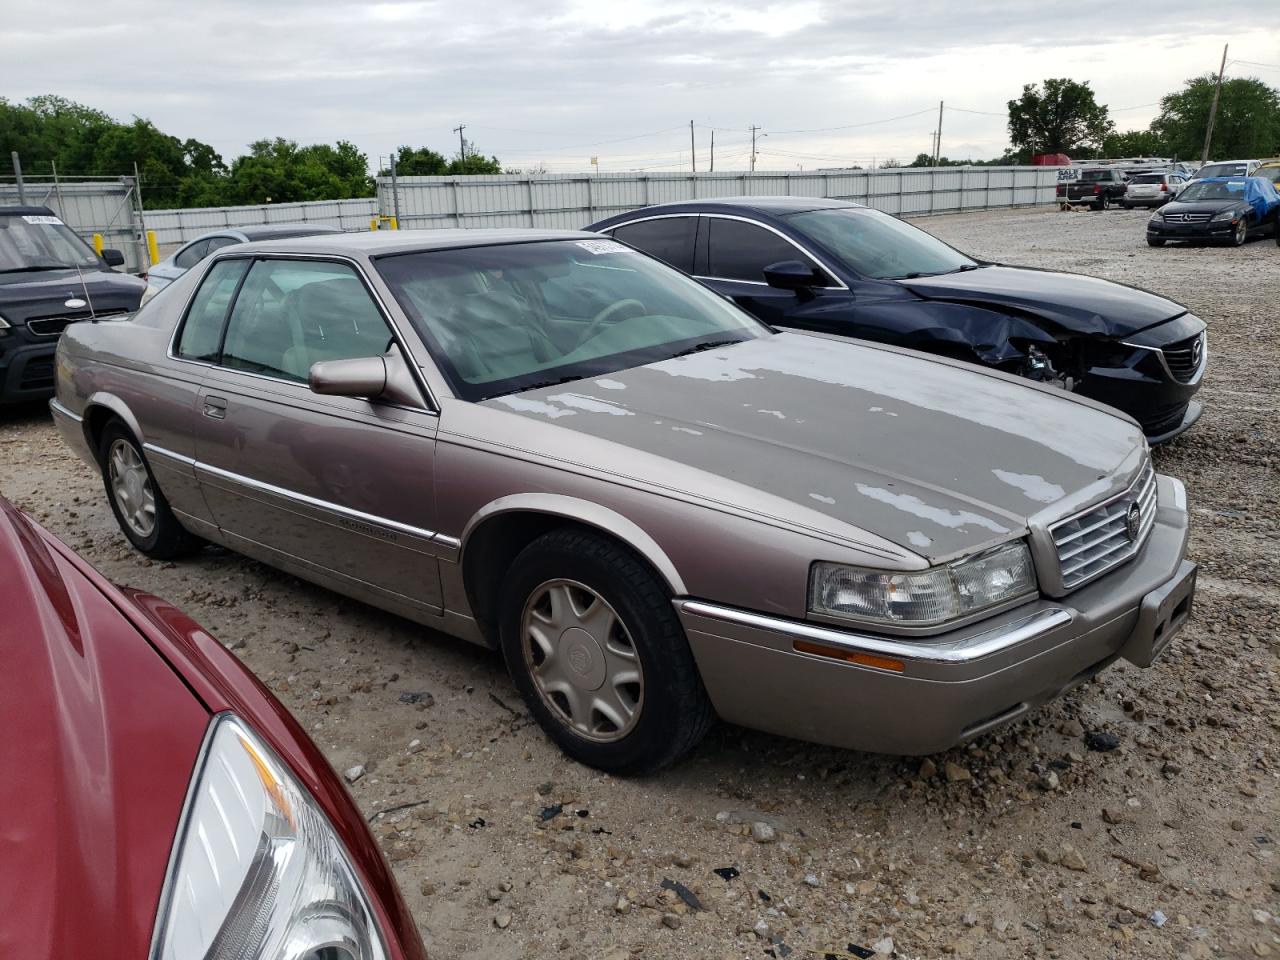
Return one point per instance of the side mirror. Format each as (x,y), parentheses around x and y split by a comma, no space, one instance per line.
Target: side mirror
(790,275)
(113,258)
(381,378)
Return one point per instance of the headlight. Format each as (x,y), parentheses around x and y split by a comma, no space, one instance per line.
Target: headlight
(257,869)
(1157,214)
(925,597)
(1223,215)
(4,327)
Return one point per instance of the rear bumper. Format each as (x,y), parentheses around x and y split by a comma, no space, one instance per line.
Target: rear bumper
(26,371)
(952,687)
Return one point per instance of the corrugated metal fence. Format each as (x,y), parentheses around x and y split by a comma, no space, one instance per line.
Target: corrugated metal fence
(107,206)
(574,200)
(179,226)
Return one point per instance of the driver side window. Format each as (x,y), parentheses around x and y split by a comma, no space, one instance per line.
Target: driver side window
(293,313)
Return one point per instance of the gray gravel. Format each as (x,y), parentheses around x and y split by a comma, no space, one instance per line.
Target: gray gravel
(1024,844)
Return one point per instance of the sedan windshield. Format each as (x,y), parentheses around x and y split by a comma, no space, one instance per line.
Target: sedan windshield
(501,319)
(878,246)
(40,242)
(1223,170)
(1202,190)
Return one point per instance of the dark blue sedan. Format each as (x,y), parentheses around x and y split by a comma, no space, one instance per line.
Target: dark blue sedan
(847,269)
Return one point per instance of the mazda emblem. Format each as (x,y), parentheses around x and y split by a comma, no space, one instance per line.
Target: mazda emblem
(1133,522)
(1197,347)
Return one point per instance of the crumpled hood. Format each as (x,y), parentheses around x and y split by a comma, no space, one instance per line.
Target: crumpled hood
(1075,304)
(938,458)
(101,738)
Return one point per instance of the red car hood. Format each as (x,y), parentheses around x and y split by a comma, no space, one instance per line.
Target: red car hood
(93,786)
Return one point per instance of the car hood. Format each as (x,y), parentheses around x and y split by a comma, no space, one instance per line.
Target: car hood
(934,456)
(46,293)
(101,739)
(1071,303)
(1201,206)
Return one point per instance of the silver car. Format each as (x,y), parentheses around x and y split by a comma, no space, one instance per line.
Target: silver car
(658,509)
(1152,189)
(189,254)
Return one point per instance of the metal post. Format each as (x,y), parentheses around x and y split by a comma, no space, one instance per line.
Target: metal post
(142,217)
(713,152)
(1213,109)
(693,150)
(462,144)
(57,189)
(17,174)
(395,192)
(937,149)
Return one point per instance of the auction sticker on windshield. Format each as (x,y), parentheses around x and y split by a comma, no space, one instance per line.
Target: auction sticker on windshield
(43,218)
(602,246)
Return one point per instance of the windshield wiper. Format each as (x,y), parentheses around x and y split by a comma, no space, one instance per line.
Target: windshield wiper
(536,386)
(699,347)
(38,266)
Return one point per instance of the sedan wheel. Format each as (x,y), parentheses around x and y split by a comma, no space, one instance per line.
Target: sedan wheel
(1241,233)
(136,500)
(582,660)
(593,643)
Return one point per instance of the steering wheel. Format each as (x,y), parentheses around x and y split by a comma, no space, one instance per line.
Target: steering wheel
(603,317)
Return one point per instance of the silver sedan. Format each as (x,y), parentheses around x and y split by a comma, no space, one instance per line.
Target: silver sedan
(658,509)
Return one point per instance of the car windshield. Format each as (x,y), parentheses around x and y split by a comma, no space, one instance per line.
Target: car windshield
(878,246)
(1268,173)
(40,242)
(1223,170)
(1200,190)
(505,318)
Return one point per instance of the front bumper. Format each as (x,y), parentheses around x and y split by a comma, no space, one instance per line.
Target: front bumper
(952,687)
(1206,230)
(26,370)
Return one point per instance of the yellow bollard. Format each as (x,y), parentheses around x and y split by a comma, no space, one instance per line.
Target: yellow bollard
(97,244)
(395,224)
(373,223)
(152,248)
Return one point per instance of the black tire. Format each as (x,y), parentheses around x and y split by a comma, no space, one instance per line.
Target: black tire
(674,712)
(1240,235)
(1126,204)
(1102,203)
(167,538)
(1155,241)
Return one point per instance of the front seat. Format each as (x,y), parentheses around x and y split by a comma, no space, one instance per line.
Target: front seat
(492,337)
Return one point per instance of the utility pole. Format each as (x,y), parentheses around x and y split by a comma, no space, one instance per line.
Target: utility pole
(1213,109)
(462,144)
(754,128)
(395,193)
(693,150)
(937,149)
(17,175)
(713,152)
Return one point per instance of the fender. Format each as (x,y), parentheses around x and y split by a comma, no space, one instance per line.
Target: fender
(117,406)
(583,511)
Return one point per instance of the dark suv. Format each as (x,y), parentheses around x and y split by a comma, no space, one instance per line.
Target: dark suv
(49,278)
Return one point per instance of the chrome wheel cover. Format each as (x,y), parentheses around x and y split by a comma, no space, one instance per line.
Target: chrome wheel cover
(131,487)
(582,661)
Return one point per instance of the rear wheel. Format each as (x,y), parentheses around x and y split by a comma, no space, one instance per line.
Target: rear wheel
(1102,202)
(594,646)
(139,506)
(1126,204)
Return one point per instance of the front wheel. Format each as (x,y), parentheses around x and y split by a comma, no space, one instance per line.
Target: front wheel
(1241,233)
(139,506)
(594,646)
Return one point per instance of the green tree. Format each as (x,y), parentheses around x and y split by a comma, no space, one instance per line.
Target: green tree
(422,162)
(473,163)
(1063,117)
(1134,143)
(280,171)
(1247,123)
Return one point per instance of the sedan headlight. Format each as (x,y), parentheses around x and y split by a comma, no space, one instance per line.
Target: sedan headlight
(4,327)
(1224,215)
(922,598)
(257,870)
(1157,214)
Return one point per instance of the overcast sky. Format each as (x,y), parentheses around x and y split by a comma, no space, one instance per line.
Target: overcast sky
(559,81)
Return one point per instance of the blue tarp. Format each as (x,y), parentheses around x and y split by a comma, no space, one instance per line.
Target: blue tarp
(1257,192)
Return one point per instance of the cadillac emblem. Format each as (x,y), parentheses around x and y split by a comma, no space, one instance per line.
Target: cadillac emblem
(1133,522)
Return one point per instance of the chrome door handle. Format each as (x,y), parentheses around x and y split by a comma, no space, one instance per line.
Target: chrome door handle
(215,407)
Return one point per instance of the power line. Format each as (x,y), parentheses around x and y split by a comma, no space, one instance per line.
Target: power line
(852,126)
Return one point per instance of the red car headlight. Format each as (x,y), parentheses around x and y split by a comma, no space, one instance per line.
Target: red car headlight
(257,870)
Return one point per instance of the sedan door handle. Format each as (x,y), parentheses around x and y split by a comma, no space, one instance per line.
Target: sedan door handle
(215,407)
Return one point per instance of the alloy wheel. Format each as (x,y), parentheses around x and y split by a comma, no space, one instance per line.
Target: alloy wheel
(582,660)
(1242,233)
(131,487)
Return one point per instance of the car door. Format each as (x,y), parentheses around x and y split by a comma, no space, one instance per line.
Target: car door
(340,487)
(669,238)
(731,256)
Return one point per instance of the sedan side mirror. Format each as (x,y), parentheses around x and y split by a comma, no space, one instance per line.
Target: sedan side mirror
(374,378)
(113,258)
(791,275)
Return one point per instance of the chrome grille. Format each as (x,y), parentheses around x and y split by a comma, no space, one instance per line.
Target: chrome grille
(1188,217)
(53,326)
(1185,357)
(1091,543)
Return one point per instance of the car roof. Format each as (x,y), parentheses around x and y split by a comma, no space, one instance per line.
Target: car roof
(273,231)
(375,243)
(776,206)
(26,212)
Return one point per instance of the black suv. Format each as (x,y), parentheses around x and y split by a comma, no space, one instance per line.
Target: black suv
(49,278)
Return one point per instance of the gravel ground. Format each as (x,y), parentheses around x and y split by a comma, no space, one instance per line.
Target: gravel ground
(1024,844)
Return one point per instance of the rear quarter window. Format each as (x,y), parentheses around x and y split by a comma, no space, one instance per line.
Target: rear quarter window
(201,336)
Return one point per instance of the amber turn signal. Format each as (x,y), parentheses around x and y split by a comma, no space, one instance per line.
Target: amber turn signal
(849,656)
